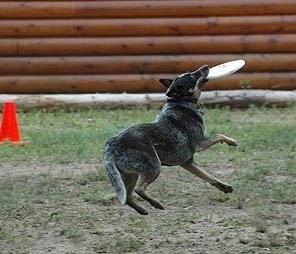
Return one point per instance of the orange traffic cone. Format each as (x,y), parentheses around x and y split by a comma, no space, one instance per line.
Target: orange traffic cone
(10,131)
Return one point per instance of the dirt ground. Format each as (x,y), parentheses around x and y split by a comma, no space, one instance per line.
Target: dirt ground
(65,210)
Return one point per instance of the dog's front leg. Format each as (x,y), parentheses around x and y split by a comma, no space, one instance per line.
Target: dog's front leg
(209,141)
(194,169)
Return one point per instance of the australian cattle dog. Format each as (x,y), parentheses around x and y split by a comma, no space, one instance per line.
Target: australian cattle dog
(176,134)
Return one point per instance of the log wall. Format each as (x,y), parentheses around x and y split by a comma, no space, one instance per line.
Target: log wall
(126,46)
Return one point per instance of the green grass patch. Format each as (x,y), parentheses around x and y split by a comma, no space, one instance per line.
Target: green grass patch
(67,137)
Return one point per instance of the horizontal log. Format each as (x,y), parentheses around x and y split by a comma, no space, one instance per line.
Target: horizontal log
(108,9)
(275,81)
(245,98)
(149,45)
(141,64)
(79,101)
(148,27)
(136,83)
(233,98)
(8,47)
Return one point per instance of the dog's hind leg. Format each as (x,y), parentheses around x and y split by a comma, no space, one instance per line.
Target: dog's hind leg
(194,169)
(130,180)
(145,180)
(148,176)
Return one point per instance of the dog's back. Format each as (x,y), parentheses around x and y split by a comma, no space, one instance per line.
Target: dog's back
(173,136)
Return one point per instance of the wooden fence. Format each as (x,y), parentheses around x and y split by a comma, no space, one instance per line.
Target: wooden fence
(126,46)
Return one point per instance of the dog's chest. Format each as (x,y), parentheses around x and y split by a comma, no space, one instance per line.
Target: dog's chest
(179,131)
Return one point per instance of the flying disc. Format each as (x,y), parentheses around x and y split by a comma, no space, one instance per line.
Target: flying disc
(225,69)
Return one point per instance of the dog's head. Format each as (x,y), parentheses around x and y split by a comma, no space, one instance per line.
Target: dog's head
(187,85)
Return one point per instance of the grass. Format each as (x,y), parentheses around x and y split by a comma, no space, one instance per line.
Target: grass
(66,137)
(70,204)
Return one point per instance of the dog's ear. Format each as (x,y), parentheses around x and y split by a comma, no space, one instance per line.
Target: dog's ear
(166,82)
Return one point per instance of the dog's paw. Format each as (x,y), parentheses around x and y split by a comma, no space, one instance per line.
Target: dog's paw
(231,142)
(228,189)
(158,205)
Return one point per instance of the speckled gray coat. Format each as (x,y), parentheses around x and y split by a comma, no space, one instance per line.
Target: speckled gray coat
(172,139)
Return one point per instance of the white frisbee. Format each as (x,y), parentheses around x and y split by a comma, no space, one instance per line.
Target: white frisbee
(225,69)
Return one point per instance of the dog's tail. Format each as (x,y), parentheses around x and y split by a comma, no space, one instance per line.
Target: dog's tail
(115,177)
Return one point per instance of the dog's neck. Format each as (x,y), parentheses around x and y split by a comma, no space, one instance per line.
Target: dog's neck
(189,102)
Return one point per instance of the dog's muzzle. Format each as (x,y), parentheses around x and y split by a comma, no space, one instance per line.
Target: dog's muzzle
(201,75)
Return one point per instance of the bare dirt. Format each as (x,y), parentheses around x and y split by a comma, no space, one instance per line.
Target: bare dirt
(62,208)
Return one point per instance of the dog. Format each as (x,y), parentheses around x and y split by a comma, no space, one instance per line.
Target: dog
(176,134)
